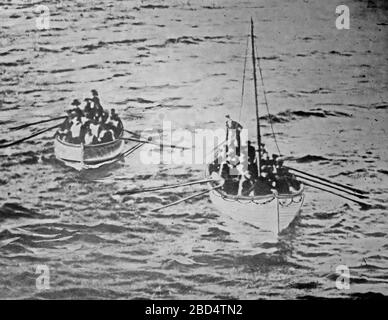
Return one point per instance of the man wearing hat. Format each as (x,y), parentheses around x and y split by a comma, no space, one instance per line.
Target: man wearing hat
(77,110)
(64,128)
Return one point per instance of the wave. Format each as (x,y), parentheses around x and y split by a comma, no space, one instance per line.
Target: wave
(154,6)
(310,158)
(289,115)
(190,40)
(101,44)
(11,210)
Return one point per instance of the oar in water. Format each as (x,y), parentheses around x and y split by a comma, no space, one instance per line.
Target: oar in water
(37,122)
(333,187)
(171,186)
(156,144)
(29,137)
(187,198)
(361,203)
(327,180)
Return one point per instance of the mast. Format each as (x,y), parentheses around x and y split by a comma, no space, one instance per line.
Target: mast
(258,157)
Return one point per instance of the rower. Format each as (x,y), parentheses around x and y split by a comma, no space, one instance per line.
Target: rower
(90,138)
(76,130)
(260,186)
(95,127)
(65,126)
(245,184)
(224,170)
(106,135)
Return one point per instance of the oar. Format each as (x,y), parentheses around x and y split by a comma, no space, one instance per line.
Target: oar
(171,186)
(327,180)
(37,122)
(133,133)
(156,144)
(333,187)
(187,198)
(29,137)
(133,149)
(149,139)
(215,149)
(361,203)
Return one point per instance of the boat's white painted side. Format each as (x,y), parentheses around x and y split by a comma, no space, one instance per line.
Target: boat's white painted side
(262,212)
(93,156)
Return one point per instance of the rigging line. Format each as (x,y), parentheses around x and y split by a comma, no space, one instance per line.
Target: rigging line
(266,104)
(243,80)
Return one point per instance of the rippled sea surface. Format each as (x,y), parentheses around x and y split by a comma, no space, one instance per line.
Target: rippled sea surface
(183,61)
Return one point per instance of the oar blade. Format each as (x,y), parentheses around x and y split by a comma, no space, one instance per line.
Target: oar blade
(185,199)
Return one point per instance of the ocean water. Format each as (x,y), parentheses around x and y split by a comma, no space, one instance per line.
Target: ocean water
(182,61)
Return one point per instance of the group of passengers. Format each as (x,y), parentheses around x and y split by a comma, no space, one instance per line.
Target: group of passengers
(91,124)
(239,169)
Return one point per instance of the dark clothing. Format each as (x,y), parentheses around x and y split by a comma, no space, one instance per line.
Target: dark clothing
(108,136)
(262,187)
(231,186)
(225,171)
(282,186)
(98,110)
(252,164)
(246,187)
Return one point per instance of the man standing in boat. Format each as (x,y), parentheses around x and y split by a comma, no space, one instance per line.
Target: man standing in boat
(233,130)
(77,110)
(97,108)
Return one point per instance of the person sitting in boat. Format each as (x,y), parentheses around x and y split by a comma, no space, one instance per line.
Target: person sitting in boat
(90,138)
(293,185)
(261,186)
(233,125)
(75,130)
(245,184)
(115,122)
(230,184)
(106,134)
(252,163)
(65,126)
(95,127)
(88,108)
(104,117)
(86,117)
